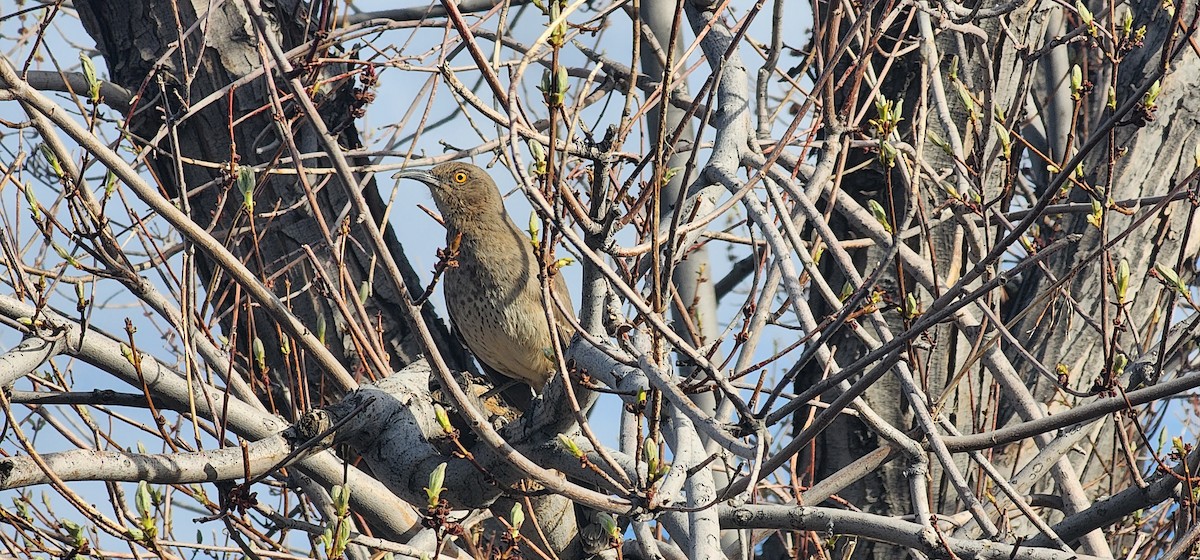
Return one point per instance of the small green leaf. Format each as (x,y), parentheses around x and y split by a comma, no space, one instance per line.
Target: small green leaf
(51,160)
(142,499)
(1171,278)
(1122,280)
(110,183)
(535,229)
(880,214)
(89,74)
(965,96)
(434,491)
(75,532)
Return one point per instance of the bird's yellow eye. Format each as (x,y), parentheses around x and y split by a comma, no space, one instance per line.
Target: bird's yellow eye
(460,177)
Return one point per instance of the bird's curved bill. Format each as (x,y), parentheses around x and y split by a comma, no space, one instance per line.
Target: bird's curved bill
(417,175)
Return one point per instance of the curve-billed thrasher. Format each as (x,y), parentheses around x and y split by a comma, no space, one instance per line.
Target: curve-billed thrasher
(493,294)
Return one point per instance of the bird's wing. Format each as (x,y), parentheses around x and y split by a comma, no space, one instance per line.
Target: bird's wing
(564,315)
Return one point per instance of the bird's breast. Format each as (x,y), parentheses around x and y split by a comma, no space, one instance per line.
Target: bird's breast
(499,314)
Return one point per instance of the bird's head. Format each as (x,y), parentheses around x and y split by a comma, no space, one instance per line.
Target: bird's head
(461,191)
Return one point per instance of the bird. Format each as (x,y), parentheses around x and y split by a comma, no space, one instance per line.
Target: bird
(492,291)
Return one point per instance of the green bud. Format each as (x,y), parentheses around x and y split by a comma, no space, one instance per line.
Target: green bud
(516,518)
(260,354)
(1004,139)
(22,508)
(554,86)
(650,455)
(880,214)
(1122,280)
(609,524)
(911,309)
(887,154)
(1152,95)
(341,499)
(127,353)
(75,531)
(534,229)
(89,74)
(141,499)
(80,296)
(1119,363)
(443,418)
(436,479)
(537,151)
(561,83)
(965,96)
(570,446)
(1097,215)
(246,182)
(51,160)
(1084,14)
(937,141)
(1170,278)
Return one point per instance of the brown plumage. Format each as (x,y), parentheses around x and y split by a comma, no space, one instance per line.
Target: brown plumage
(493,295)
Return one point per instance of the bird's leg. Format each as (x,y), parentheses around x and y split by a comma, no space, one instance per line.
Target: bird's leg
(500,388)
